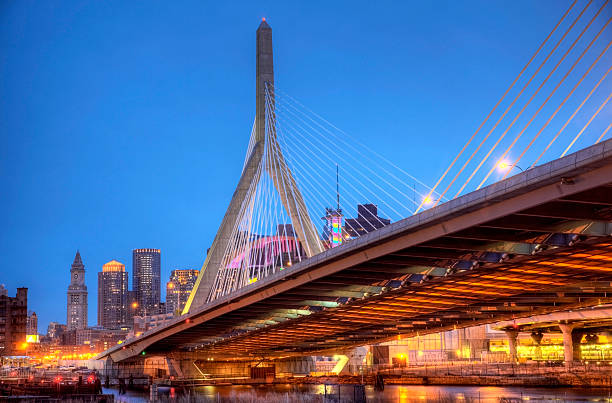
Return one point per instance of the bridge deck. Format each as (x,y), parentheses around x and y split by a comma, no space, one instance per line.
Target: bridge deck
(537,242)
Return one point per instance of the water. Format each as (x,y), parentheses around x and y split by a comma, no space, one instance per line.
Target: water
(391,394)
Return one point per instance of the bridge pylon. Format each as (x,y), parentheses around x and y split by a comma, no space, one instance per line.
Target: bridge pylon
(264,148)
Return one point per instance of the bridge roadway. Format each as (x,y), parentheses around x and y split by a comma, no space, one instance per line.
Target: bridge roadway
(535,243)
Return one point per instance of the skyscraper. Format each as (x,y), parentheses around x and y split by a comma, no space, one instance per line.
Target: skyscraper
(178,289)
(112,295)
(76,314)
(146,282)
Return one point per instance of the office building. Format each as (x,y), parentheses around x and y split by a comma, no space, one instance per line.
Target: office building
(13,323)
(112,295)
(178,289)
(367,221)
(146,283)
(76,313)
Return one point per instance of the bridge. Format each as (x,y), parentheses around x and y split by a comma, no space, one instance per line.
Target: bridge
(274,285)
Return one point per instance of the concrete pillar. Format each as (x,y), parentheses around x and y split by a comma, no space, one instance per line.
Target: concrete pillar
(537,338)
(512,336)
(350,361)
(571,343)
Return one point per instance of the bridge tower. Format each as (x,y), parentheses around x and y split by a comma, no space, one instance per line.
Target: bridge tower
(264,140)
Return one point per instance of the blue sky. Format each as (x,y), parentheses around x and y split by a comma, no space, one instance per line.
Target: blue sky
(124,124)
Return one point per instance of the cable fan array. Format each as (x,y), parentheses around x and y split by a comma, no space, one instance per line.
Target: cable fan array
(314,189)
(552,106)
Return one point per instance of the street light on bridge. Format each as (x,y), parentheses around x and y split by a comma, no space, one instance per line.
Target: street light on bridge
(505,165)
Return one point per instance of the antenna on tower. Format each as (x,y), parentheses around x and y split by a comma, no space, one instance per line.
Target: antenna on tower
(337,189)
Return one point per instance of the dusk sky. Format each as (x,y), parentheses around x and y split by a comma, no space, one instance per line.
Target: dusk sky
(124,124)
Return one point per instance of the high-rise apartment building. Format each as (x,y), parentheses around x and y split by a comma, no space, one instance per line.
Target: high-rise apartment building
(146,283)
(112,295)
(76,313)
(178,289)
(13,322)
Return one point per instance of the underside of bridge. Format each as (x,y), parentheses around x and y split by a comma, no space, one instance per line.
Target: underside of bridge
(535,243)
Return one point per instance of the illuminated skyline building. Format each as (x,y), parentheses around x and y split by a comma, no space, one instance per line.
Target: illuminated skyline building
(76,312)
(332,232)
(112,295)
(146,280)
(178,289)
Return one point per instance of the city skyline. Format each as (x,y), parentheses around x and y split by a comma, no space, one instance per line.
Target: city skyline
(178,137)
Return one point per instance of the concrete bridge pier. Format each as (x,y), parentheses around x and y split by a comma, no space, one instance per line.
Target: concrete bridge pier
(571,343)
(350,361)
(512,340)
(537,338)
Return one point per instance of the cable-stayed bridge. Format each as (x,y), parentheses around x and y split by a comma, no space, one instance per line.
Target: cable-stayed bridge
(326,245)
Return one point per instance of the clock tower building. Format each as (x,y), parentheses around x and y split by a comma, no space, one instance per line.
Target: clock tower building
(76,317)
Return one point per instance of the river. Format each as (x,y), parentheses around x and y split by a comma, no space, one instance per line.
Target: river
(391,394)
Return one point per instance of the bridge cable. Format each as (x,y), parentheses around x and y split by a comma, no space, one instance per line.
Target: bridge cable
(586,125)
(515,163)
(286,173)
(510,106)
(604,133)
(308,177)
(549,96)
(489,115)
(349,172)
(310,248)
(529,101)
(363,165)
(323,144)
(348,144)
(568,120)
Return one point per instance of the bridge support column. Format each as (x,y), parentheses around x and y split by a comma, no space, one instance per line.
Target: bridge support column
(571,343)
(350,361)
(537,338)
(512,340)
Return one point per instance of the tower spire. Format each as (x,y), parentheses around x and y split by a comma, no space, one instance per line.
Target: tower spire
(77,260)
(264,77)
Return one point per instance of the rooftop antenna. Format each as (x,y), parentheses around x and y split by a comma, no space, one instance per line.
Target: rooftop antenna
(337,189)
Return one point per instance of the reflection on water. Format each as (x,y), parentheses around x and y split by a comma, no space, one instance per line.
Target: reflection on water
(392,394)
